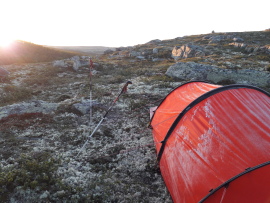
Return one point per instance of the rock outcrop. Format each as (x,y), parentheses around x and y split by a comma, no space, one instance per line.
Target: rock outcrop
(218,38)
(28,107)
(251,47)
(79,107)
(189,71)
(187,51)
(196,71)
(75,63)
(108,51)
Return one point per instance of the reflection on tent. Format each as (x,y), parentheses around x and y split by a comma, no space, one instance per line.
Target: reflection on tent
(213,143)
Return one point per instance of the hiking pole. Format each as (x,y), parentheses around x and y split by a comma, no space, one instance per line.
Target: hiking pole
(124,89)
(91,66)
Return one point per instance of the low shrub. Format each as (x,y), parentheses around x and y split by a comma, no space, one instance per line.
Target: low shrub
(13,94)
(34,172)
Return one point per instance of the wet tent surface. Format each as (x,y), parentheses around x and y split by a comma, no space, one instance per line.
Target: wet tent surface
(214,139)
(174,104)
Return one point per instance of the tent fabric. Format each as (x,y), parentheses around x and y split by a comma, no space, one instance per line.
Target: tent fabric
(174,103)
(207,135)
(241,188)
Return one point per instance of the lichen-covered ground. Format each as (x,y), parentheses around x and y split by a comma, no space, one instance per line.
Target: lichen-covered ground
(39,161)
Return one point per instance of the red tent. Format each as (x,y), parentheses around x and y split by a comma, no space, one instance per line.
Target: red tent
(213,143)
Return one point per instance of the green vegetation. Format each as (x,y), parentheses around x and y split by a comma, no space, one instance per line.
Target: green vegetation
(44,77)
(35,172)
(13,94)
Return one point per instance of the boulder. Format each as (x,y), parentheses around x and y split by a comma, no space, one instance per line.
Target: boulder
(196,71)
(135,53)
(238,45)
(79,63)
(189,71)
(60,63)
(219,38)
(240,76)
(187,51)
(28,107)
(140,57)
(84,105)
(251,47)
(155,51)
(158,59)
(79,107)
(75,63)
(238,39)
(108,51)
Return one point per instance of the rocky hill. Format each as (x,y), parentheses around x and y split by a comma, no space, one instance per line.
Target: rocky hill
(223,58)
(45,120)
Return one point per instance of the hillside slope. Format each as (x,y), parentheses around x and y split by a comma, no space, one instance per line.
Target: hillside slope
(26,52)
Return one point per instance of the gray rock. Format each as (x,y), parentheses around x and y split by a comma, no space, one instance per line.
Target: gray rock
(108,51)
(69,105)
(207,37)
(135,53)
(28,107)
(140,57)
(157,59)
(251,47)
(60,63)
(79,63)
(238,39)
(44,195)
(84,105)
(196,71)
(189,71)
(242,76)
(219,38)
(155,41)
(75,63)
(155,51)
(146,52)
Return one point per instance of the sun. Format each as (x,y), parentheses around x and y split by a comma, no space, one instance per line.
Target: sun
(6,42)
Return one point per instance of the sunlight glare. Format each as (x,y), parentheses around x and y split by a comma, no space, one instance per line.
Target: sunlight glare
(6,42)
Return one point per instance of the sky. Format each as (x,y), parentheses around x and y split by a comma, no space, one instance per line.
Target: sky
(116,23)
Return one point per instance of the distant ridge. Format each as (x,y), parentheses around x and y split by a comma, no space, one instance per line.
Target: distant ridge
(89,50)
(26,52)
